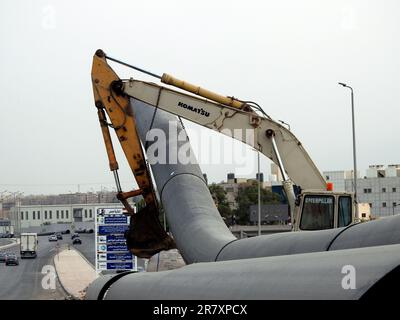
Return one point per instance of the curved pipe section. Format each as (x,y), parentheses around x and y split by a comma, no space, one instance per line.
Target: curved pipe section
(197,227)
(379,232)
(283,277)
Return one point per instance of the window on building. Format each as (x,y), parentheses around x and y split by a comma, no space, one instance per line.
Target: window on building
(363,215)
(62,214)
(45,215)
(26,215)
(38,215)
(370,205)
(384,204)
(394,204)
(90,213)
(22,216)
(383,189)
(67,214)
(393,189)
(85,213)
(34,215)
(58,214)
(51,214)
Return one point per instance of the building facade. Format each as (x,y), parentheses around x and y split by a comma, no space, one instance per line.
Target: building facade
(380,188)
(339,178)
(233,184)
(27,216)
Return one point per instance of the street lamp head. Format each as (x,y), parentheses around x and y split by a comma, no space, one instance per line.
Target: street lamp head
(342,84)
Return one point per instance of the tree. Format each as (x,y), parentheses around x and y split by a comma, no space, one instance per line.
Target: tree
(248,195)
(219,194)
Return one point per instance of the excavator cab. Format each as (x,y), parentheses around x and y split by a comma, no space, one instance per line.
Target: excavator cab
(319,210)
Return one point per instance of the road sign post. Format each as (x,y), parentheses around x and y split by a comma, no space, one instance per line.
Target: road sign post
(112,253)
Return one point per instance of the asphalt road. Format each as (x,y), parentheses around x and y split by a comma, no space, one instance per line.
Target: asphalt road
(87,248)
(24,282)
(4,241)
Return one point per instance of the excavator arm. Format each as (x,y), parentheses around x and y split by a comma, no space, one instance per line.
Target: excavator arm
(238,121)
(246,126)
(146,235)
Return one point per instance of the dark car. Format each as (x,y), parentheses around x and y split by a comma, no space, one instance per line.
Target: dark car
(59,236)
(2,257)
(12,259)
(53,237)
(77,241)
(75,235)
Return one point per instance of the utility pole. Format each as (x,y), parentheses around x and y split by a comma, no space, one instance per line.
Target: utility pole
(354,145)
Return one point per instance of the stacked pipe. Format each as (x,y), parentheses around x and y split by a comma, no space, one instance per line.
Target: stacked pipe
(280,266)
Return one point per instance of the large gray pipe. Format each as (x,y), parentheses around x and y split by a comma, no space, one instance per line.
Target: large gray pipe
(197,227)
(200,233)
(318,275)
(202,236)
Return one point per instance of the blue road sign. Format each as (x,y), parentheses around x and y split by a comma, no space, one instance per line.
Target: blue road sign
(117,247)
(115,238)
(112,229)
(115,219)
(112,250)
(119,265)
(119,256)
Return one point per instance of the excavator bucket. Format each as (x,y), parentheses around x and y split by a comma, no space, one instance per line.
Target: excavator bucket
(145,236)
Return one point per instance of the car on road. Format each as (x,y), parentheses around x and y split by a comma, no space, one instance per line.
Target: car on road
(12,259)
(7,235)
(3,257)
(53,237)
(59,236)
(77,241)
(75,235)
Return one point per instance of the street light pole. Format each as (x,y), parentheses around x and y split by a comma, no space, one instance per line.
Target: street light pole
(354,146)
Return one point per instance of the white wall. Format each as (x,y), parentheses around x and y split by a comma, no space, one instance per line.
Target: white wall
(88,213)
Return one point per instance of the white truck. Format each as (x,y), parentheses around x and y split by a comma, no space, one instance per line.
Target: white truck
(28,245)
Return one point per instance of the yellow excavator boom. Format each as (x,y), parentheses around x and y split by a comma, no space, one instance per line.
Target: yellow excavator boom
(146,235)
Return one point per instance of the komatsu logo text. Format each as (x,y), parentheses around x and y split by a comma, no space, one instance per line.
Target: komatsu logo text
(194,109)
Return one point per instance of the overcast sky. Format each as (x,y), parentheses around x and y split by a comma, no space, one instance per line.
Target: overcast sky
(286,55)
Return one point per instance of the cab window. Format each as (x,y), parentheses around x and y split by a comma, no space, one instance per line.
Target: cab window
(318,212)
(345,214)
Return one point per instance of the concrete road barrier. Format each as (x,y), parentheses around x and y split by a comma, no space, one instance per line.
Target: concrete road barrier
(74,272)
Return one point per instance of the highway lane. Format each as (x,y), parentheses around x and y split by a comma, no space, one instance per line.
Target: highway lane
(4,241)
(24,282)
(87,248)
